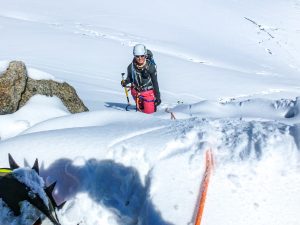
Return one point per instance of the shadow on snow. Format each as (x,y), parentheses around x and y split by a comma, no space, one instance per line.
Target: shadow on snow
(111,184)
(120,106)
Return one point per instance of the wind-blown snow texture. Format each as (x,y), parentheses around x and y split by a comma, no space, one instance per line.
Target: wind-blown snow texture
(228,70)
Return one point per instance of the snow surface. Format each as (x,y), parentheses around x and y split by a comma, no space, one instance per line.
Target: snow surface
(31,179)
(3,66)
(228,70)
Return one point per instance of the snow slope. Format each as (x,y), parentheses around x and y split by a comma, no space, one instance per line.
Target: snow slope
(234,69)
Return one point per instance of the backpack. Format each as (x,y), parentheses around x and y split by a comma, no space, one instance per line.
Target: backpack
(149,56)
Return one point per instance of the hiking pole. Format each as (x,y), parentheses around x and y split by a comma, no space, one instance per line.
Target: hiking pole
(126,92)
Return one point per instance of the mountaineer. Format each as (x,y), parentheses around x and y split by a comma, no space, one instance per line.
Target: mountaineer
(142,75)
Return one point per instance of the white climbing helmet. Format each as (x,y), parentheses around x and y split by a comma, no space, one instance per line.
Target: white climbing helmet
(139,49)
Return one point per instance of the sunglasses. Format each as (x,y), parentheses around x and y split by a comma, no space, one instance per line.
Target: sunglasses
(140,56)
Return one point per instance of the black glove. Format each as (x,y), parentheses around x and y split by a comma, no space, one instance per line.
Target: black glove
(123,83)
(157,102)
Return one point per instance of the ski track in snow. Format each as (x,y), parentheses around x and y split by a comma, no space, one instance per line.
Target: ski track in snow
(131,40)
(20,17)
(253,95)
(111,34)
(133,135)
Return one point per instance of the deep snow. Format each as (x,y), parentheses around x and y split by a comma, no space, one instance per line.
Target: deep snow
(228,70)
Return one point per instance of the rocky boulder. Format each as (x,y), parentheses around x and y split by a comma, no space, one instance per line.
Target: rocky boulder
(16,88)
(12,85)
(64,91)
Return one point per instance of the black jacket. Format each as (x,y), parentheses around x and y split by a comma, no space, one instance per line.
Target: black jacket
(143,79)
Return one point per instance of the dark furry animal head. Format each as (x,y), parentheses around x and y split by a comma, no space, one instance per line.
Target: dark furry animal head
(13,191)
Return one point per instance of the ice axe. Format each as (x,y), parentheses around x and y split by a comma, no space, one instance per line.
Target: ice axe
(126,92)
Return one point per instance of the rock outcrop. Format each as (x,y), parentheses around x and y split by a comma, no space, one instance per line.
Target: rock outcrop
(12,85)
(16,88)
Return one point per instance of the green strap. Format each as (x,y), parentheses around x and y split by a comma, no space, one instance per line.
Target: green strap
(3,170)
